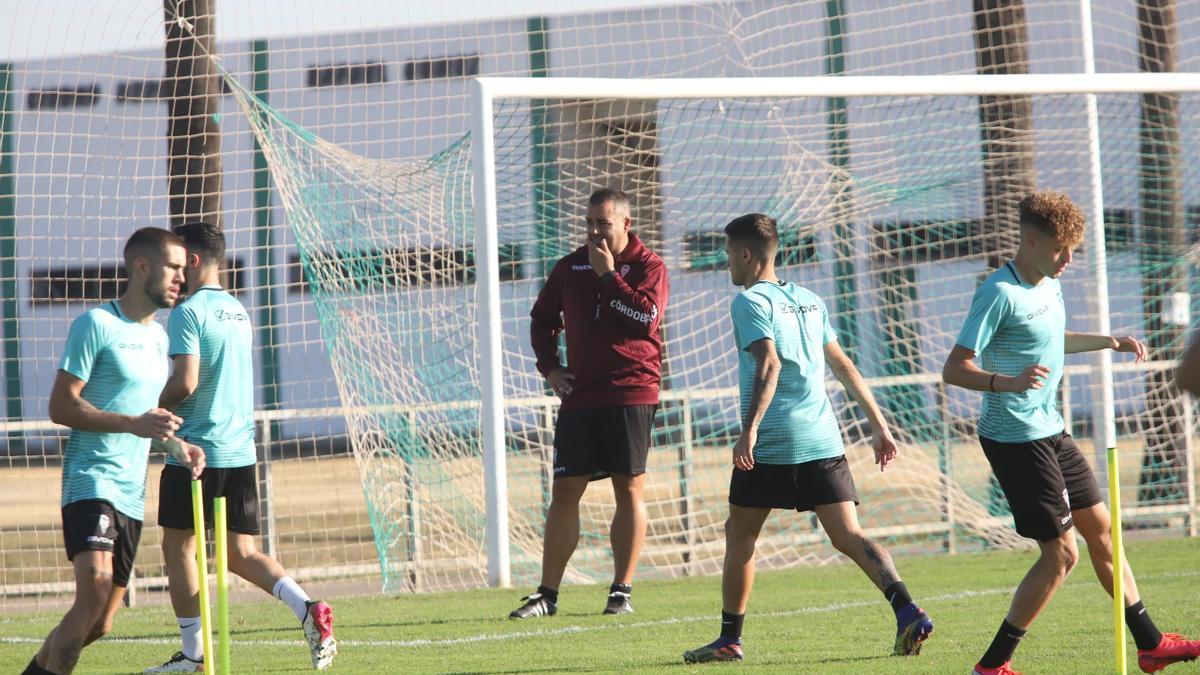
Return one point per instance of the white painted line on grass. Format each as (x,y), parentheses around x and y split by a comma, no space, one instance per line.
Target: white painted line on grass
(572,630)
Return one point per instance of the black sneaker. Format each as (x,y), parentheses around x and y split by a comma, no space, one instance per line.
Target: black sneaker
(536,604)
(618,603)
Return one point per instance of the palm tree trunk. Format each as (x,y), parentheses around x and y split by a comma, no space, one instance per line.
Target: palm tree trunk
(193,101)
(1163,243)
(1006,125)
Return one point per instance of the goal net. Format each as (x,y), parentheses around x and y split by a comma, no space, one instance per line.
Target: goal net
(348,199)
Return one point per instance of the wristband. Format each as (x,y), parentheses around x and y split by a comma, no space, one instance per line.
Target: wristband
(992,382)
(607,277)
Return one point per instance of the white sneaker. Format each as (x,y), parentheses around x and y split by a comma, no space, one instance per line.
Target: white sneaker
(318,629)
(178,664)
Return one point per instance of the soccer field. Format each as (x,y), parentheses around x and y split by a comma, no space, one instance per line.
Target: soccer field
(823,620)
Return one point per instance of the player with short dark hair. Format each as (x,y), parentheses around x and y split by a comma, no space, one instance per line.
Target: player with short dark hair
(609,297)
(212,387)
(1017,327)
(790,453)
(106,391)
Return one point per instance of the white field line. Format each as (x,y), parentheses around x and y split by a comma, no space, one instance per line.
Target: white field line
(575,630)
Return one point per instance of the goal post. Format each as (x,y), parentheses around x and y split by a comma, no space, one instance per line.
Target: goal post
(488,92)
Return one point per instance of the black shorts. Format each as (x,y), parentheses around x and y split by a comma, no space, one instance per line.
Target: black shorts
(599,442)
(239,487)
(94,525)
(793,486)
(1043,480)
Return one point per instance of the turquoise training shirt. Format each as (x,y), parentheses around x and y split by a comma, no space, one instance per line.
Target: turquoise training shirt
(125,366)
(799,424)
(213,326)
(1013,325)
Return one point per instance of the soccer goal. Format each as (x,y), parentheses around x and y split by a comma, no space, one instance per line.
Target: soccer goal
(891,209)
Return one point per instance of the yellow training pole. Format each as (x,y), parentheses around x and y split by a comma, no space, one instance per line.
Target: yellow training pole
(202,565)
(222,553)
(1114,505)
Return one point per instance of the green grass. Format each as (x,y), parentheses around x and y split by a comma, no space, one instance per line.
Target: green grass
(824,620)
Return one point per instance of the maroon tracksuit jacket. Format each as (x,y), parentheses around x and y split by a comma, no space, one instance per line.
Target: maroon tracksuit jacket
(614,345)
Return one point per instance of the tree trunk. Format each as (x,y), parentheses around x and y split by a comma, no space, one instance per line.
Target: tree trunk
(1006,125)
(192,91)
(1163,244)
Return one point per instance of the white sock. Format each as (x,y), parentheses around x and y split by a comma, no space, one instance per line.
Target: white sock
(189,630)
(287,590)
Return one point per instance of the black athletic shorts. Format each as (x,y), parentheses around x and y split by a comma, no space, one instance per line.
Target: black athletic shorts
(599,442)
(1043,480)
(239,487)
(94,525)
(793,486)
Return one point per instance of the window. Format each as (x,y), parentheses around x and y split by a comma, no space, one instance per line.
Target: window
(337,75)
(911,242)
(1118,229)
(81,96)
(369,269)
(440,69)
(99,283)
(92,283)
(139,90)
(706,250)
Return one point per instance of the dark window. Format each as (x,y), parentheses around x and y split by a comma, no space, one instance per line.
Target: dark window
(337,75)
(911,242)
(1118,229)
(98,283)
(439,69)
(82,96)
(706,250)
(134,91)
(139,90)
(1193,224)
(233,275)
(363,270)
(93,283)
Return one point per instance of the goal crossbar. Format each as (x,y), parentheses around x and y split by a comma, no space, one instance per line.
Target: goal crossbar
(496,88)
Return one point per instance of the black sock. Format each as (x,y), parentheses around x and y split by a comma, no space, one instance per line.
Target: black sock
(627,589)
(34,669)
(1141,626)
(1003,646)
(550,594)
(897,595)
(731,626)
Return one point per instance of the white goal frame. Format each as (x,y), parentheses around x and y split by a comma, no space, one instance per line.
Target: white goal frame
(485,91)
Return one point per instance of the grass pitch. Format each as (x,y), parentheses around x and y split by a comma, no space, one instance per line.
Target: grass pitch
(823,620)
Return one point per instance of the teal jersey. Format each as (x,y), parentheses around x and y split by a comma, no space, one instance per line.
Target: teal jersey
(799,424)
(124,364)
(1013,325)
(213,326)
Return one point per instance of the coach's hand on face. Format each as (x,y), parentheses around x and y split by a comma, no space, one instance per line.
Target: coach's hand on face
(743,450)
(1030,378)
(561,381)
(158,424)
(600,256)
